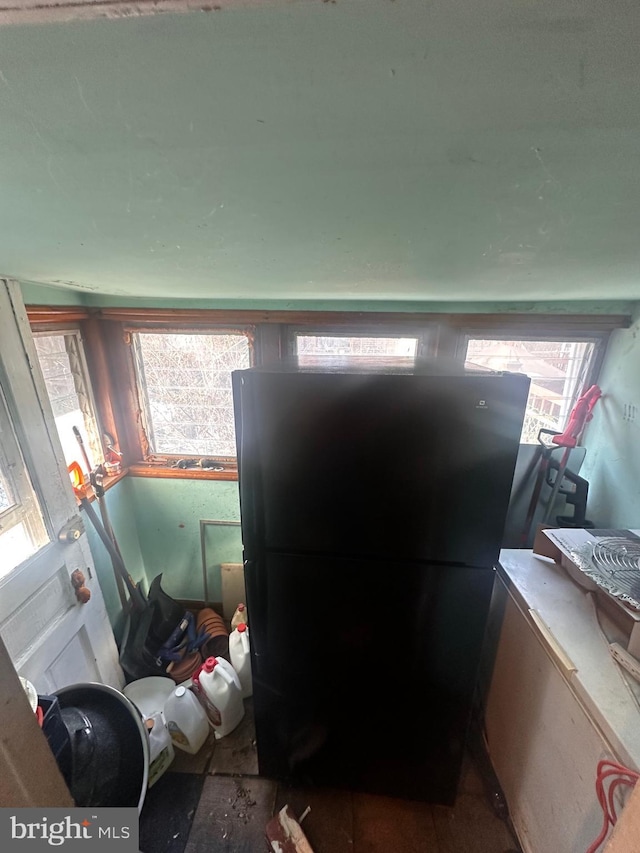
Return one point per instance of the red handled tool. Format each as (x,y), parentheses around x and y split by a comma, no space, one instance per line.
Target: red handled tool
(580,415)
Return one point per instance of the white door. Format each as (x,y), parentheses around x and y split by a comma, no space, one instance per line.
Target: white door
(52,638)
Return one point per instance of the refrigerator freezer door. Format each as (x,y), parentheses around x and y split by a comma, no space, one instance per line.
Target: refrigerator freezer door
(399,466)
(364,671)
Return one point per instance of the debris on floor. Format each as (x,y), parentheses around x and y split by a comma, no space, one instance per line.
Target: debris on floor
(242,803)
(285,834)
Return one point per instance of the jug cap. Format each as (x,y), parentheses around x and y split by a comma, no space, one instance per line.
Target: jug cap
(242,627)
(210,664)
(180,691)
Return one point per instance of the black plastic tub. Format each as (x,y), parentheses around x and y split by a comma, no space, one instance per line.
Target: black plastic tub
(107,763)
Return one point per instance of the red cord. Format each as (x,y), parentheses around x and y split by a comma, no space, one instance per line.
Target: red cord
(612,788)
(621,776)
(601,837)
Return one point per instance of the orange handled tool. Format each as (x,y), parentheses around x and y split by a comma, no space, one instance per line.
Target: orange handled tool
(77,479)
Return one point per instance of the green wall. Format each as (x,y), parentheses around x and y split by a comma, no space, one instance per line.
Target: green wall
(42,294)
(157,525)
(612,463)
(121,509)
(167,514)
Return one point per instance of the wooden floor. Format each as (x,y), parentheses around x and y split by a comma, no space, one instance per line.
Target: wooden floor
(216,802)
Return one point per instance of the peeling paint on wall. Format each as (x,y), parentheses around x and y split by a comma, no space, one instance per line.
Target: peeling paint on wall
(26,12)
(612,463)
(275,147)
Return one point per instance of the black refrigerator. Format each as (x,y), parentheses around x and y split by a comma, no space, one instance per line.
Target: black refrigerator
(373,499)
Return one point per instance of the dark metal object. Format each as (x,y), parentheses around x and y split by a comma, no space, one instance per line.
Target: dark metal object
(96,479)
(581,414)
(155,617)
(72,530)
(523,483)
(544,457)
(575,496)
(554,472)
(205,464)
(136,595)
(373,505)
(555,488)
(83,449)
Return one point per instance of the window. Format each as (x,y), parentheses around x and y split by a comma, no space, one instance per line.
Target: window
(22,530)
(354,346)
(184,389)
(65,374)
(386,340)
(559,372)
(162,377)
(311,346)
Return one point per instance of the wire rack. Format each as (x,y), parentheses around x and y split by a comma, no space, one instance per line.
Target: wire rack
(614,564)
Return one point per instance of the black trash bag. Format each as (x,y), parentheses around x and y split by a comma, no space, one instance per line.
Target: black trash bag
(146,631)
(138,655)
(167,613)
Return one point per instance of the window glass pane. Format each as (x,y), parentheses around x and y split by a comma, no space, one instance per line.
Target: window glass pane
(6,495)
(185,388)
(67,388)
(354,346)
(15,547)
(22,529)
(557,369)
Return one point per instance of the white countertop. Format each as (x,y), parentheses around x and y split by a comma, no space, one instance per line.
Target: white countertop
(569,613)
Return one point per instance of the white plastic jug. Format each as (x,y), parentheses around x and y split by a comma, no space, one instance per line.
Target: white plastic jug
(239,616)
(186,720)
(161,752)
(241,657)
(220,683)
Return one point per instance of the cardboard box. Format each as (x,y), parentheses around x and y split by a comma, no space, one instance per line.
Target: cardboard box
(560,543)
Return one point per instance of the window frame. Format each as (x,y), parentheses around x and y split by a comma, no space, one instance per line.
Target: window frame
(96,439)
(26,508)
(168,461)
(425,334)
(101,389)
(595,360)
(111,369)
(598,339)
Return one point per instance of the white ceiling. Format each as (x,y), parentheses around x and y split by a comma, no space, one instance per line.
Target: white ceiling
(356,150)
